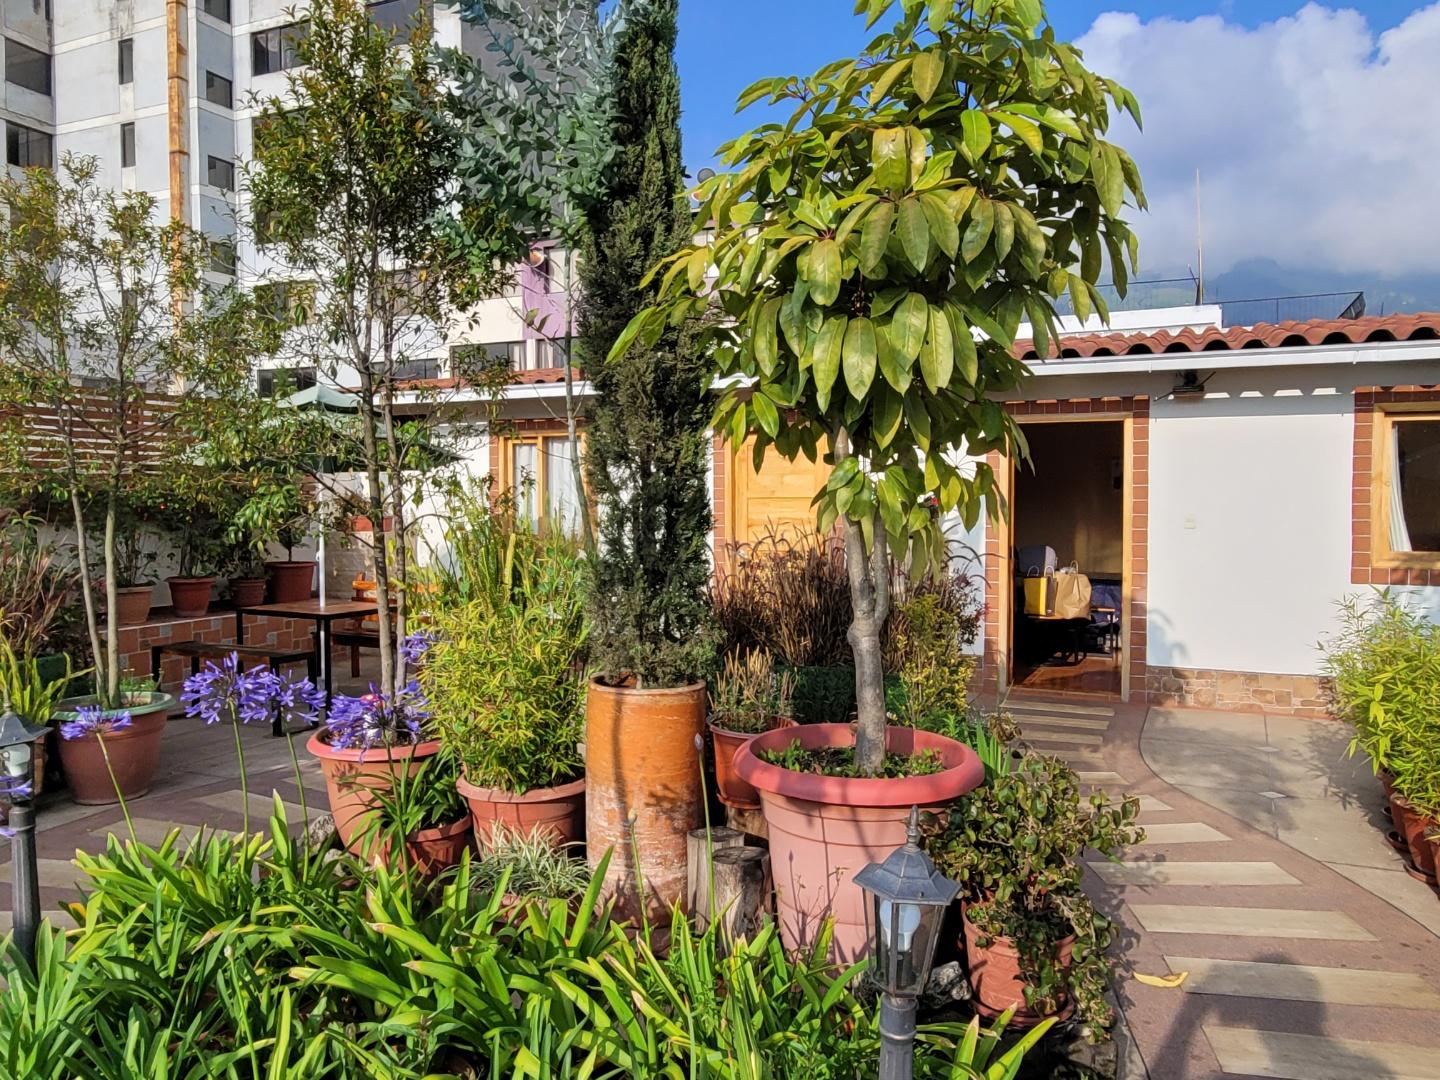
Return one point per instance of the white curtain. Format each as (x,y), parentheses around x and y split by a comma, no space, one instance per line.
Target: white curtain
(1399,530)
(562,503)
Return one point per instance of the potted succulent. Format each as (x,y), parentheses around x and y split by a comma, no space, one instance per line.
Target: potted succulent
(279,512)
(1033,940)
(748,698)
(112,752)
(507,696)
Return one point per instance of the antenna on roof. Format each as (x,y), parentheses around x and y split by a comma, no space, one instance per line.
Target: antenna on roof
(1199,245)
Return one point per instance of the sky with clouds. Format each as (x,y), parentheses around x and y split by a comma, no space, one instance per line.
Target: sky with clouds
(1316,128)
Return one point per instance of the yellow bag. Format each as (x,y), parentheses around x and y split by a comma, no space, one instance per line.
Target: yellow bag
(1040,595)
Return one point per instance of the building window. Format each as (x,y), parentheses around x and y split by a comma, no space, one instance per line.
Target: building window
(27,147)
(469,360)
(127,60)
(540,470)
(552,354)
(127,146)
(398,16)
(222,257)
(424,368)
(27,67)
(277,49)
(217,9)
(272,381)
(218,90)
(220,173)
(1406,514)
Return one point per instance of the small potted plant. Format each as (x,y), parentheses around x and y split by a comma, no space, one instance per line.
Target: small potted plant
(135,555)
(131,730)
(529,867)
(1033,940)
(200,546)
(749,697)
(279,512)
(245,568)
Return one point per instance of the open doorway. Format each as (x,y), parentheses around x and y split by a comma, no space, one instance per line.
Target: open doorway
(1067,507)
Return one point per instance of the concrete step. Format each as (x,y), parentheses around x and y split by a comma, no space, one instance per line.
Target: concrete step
(1148,872)
(1249,922)
(1303,982)
(1286,1056)
(1182,832)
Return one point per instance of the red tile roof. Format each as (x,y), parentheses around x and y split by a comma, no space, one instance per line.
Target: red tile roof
(1420,327)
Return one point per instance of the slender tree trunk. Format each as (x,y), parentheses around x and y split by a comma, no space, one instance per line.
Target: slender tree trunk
(397,503)
(87,587)
(869,574)
(111,690)
(375,500)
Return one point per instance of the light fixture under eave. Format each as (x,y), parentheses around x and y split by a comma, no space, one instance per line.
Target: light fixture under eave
(1190,385)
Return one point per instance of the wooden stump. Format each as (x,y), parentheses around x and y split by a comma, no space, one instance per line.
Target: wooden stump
(749,822)
(699,845)
(742,890)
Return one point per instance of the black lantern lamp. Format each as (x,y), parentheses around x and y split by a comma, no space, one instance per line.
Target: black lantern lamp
(907,898)
(17,756)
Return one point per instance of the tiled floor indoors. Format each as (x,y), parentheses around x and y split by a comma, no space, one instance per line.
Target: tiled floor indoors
(1265,877)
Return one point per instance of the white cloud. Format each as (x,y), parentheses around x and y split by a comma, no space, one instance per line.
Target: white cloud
(1318,141)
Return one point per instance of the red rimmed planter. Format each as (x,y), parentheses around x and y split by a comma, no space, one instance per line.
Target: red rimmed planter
(429,851)
(557,811)
(290,582)
(824,829)
(355,778)
(190,597)
(732,790)
(996,980)
(134,751)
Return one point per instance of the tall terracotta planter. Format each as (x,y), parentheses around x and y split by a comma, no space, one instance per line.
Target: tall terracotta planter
(642,790)
(557,811)
(353,779)
(132,604)
(1413,828)
(134,752)
(190,597)
(824,829)
(996,981)
(291,582)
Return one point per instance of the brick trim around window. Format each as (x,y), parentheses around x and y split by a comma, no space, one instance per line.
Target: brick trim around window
(1363,571)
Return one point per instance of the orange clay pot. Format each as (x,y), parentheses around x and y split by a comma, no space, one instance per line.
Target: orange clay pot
(559,812)
(290,582)
(732,790)
(825,829)
(996,980)
(132,604)
(353,779)
(134,752)
(1413,827)
(642,790)
(190,597)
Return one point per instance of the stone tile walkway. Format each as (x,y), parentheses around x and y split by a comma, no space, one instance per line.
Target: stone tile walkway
(1267,879)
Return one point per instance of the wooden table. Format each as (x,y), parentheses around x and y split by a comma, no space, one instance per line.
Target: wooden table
(324,616)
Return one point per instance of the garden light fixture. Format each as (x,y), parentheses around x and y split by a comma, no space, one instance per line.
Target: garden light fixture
(17,756)
(906,902)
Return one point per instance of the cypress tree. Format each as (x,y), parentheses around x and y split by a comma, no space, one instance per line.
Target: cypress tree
(647,454)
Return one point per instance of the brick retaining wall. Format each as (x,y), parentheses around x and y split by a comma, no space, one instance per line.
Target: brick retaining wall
(219,626)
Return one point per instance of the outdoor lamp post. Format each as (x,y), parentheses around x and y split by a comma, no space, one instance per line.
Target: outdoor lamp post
(907,902)
(17,754)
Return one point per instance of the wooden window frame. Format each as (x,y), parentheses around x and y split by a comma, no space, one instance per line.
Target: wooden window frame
(1386,415)
(506,446)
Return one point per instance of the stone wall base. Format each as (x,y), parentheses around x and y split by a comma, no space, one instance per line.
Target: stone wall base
(1237,691)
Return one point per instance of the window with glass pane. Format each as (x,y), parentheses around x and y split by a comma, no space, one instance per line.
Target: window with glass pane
(277,49)
(222,257)
(283,381)
(127,146)
(398,15)
(552,354)
(525,479)
(562,504)
(27,67)
(218,9)
(1414,484)
(127,60)
(218,90)
(220,173)
(28,148)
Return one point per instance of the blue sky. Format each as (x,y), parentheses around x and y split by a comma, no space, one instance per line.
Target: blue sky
(1269,98)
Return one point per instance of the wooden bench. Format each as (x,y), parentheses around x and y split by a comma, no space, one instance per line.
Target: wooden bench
(216,650)
(357,639)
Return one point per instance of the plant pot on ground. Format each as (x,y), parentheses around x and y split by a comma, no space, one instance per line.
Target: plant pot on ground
(826,821)
(1414,826)
(1034,941)
(421,814)
(131,732)
(748,698)
(507,697)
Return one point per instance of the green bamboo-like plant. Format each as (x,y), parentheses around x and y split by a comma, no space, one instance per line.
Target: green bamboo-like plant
(869,262)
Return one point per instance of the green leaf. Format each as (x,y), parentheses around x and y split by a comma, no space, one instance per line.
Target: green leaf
(826,362)
(824,272)
(766,413)
(765,343)
(886,412)
(977,234)
(887,79)
(937,354)
(875,235)
(1004,230)
(1080,297)
(964,342)
(914,232)
(1109,177)
(975,133)
(696,266)
(907,326)
(860,356)
(843,473)
(853,219)
(1026,130)
(1028,13)
(942,225)
(926,73)
(893,365)
(918,419)
(889,157)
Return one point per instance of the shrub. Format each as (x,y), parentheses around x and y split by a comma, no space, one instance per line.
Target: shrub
(505,680)
(748,695)
(528,866)
(36,587)
(1014,845)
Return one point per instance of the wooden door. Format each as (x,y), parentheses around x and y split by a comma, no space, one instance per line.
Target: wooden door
(774,499)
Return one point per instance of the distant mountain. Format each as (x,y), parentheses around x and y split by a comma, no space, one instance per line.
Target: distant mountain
(1257,279)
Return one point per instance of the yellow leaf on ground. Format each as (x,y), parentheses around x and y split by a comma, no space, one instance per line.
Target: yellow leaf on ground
(1169,982)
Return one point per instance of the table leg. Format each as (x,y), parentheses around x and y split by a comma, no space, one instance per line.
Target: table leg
(322,646)
(239,628)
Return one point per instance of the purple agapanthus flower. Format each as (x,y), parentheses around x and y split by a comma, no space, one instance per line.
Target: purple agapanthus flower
(378,719)
(92,720)
(226,692)
(414,647)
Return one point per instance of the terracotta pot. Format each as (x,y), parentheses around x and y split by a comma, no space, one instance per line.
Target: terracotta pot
(824,829)
(642,790)
(247,592)
(353,779)
(190,597)
(1387,782)
(557,811)
(996,981)
(134,752)
(1413,826)
(291,582)
(132,604)
(732,790)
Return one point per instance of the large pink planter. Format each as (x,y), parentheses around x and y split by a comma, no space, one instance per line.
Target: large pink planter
(825,829)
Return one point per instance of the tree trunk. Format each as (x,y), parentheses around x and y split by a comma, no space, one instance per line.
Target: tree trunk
(870,605)
(87,587)
(397,503)
(110,689)
(375,502)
